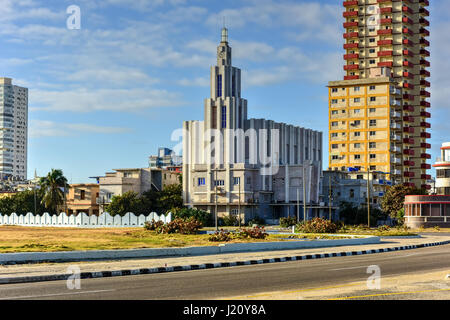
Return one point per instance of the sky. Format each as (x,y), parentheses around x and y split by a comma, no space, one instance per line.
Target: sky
(107,95)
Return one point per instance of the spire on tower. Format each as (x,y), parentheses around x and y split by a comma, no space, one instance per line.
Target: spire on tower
(224,34)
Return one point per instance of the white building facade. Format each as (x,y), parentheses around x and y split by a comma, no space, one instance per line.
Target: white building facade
(14,130)
(250,167)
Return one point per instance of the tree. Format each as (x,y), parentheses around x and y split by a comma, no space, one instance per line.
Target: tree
(24,202)
(171,198)
(129,202)
(53,187)
(394,199)
(353,215)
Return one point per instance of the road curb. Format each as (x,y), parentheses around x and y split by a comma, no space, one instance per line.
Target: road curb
(142,271)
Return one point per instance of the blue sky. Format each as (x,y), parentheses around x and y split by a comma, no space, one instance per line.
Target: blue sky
(108,95)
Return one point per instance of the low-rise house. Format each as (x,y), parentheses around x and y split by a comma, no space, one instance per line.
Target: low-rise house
(82,197)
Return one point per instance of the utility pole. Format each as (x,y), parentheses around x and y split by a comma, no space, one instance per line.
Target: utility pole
(298,205)
(304,193)
(215,199)
(239,205)
(331,194)
(368,197)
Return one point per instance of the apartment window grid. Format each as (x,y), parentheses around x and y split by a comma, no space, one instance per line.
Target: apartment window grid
(219,85)
(224,117)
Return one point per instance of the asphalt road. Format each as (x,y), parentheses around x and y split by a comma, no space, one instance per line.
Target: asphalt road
(239,281)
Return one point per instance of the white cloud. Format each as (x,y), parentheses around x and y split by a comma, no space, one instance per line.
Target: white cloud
(196,82)
(44,128)
(119,100)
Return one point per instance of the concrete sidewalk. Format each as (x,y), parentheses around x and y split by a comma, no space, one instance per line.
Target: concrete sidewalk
(59,271)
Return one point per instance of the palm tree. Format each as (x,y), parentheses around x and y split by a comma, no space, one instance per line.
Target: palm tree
(53,188)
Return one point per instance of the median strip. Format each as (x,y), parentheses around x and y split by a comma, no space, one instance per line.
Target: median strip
(142,271)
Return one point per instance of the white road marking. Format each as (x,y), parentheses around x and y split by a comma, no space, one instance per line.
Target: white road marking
(56,294)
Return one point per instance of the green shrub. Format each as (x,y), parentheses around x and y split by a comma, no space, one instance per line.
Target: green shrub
(252,233)
(288,222)
(383,228)
(189,226)
(153,225)
(230,221)
(257,220)
(205,218)
(221,236)
(317,225)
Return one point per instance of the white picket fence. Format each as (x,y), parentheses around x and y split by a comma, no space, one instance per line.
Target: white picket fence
(82,220)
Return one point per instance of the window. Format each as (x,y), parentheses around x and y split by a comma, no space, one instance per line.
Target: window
(371,50)
(235,212)
(236,180)
(373,133)
(371,61)
(372,99)
(373,156)
(334,90)
(201,181)
(357,111)
(357,100)
(334,112)
(372,87)
(373,123)
(372,145)
(334,124)
(372,110)
(357,145)
(352,193)
(357,156)
(334,101)
(334,135)
(373,168)
(357,88)
(219,183)
(335,157)
(224,117)
(219,85)
(82,194)
(372,40)
(357,134)
(334,146)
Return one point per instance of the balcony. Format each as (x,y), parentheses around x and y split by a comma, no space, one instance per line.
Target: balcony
(351,45)
(425,176)
(351,56)
(384,31)
(350,14)
(425,166)
(350,24)
(424,22)
(425,156)
(408,85)
(424,2)
(394,90)
(425,135)
(395,137)
(351,67)
(424,12)
(408,174)
(425,125)
(408,97)
(385,64)
(386,10)
(396,160)
(395,114)
(407,31)
(385,53)
(425,63)
(395,125)
(409,163)
(424,93)
(407,9)
(425,104)
(425,145)
(408,75)
(408,108)
(409,184)
(424,42)
(408,130)
(351,77)
(408,53)
(424,32)
(425,114)
(425,83)
(387,42)
(425,73)
(349,35)
(408,140)
(350,3)
(396,149)
(386,21)
(407,20)
(408,64)
(408,119)
(408,152)
(426,187)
